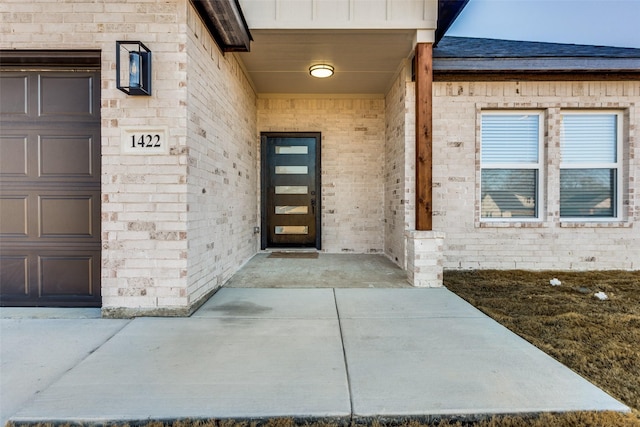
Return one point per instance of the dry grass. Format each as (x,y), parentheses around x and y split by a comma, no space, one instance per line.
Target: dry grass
(576,419)
(598,339)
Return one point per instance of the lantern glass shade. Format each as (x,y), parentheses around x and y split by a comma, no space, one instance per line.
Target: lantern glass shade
(321,71)
(135,64)
(133,68)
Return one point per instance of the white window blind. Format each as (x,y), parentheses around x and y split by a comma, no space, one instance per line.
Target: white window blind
(589,138)
(510,162)
(510,138)
(589,169)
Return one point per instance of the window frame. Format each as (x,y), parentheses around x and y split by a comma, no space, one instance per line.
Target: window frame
(617,165)
(538,166)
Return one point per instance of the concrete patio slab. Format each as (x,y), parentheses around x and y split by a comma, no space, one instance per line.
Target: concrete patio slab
(403,303)
(448,359)
(270,303)
(50,313)
(326,271)
(262,353)
(36,352)
(227,367)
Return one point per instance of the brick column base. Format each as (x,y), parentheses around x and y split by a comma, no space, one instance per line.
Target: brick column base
(424,258)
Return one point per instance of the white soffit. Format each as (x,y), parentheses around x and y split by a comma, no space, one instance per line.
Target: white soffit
(365,61)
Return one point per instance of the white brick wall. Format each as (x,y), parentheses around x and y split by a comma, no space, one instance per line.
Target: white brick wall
(353,145)
(176,226)
(549,244)
(222,172)
(166,244)
(144,205)
(399,167)
(145,235)
(425,250)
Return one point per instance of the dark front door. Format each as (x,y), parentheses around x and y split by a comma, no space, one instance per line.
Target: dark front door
(290,190)
(50,188)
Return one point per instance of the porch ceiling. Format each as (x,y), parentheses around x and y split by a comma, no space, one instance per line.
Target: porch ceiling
(365,61)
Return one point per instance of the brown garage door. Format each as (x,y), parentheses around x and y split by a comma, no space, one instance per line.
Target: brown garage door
(50,188)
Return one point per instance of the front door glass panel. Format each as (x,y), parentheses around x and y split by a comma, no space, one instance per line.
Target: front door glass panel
(292,189)
(292,149)
(292,170)
(292,229)
(292,210)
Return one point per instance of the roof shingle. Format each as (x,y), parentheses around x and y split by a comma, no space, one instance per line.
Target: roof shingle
(478,54)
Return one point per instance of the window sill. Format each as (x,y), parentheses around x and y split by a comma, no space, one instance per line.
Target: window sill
(595,224)
(512,224)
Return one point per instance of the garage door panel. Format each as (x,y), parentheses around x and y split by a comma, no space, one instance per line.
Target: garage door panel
(14,89)
(60,275)
(44,155)
(50,188)
(66,275)
(67,95)
(16,145)
(13,155)
(13,215)
(67,216)
(44,215)
(14,273)
(66,156)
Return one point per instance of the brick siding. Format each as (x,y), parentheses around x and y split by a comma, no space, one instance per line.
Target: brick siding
(222,168)
(353,133)
(399,169)
(177,226)
(166,243)
(550,243)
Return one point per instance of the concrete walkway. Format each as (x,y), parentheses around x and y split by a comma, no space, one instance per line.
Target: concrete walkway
(259,353)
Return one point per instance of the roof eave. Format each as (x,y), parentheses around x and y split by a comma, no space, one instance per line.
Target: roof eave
(620,65)
(448,11)
(226,23)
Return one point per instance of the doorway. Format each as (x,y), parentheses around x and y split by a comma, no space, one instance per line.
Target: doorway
(291,190)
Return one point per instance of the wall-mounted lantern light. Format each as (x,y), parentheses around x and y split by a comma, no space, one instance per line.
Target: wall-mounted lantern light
(133,68)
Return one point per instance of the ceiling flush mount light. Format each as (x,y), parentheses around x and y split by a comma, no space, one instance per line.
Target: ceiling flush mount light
(321,71)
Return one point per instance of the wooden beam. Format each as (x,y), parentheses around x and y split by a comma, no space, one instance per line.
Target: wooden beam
(424,136)
(225,21)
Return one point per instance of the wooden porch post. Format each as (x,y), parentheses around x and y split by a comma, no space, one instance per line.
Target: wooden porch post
(424,135)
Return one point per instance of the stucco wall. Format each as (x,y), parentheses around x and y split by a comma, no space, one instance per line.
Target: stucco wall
(549,243)
(352,163)
(222,154)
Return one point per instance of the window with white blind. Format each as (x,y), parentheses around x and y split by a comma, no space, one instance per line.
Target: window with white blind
(590,168)
(511,144)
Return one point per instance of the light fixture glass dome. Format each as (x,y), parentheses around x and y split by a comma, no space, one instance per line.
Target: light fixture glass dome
(321,71)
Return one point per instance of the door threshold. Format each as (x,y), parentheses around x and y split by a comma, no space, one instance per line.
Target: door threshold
(290,250)
(294,255)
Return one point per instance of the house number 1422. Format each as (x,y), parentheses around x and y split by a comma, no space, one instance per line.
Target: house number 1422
(145,141)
